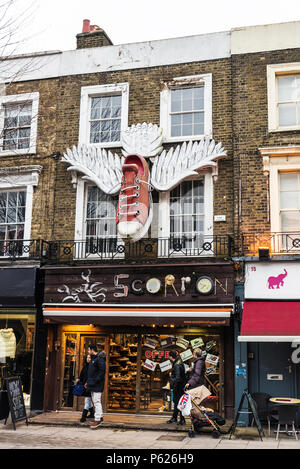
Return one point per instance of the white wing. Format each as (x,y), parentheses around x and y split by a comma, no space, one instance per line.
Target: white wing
(174,165)
(98,166)
(142,139)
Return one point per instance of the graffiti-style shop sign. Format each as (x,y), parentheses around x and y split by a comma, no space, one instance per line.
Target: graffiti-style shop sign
(13,387)
(272,280)
(91,287)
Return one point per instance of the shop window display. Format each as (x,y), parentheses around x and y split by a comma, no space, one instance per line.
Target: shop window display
(69,369)
(156,367)
(122,371)
(16,349)
(139,381)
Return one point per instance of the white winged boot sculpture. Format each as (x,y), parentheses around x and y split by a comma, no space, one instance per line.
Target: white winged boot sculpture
(130,176)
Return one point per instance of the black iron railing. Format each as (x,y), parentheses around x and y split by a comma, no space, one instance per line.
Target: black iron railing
(21,249)
(277,242)
(143,250)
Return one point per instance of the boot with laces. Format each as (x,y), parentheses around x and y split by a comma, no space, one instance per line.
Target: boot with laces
(134,212)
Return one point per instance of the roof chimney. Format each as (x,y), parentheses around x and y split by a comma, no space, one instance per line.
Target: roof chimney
(92,36)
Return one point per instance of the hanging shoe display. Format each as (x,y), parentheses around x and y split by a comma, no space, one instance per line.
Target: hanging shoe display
(134,212)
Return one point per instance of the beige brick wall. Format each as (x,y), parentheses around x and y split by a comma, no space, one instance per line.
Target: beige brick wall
(250,131)
(58,127)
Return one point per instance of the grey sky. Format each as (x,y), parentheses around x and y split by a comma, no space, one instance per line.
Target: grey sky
(54,24)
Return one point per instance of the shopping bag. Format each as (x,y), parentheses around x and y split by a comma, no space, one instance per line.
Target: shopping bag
(78,389)
(185,404)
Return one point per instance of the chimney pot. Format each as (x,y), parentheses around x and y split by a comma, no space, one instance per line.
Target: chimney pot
(86,26)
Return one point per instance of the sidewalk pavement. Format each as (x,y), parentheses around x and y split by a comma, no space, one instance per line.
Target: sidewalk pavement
(61,437)
(62,430)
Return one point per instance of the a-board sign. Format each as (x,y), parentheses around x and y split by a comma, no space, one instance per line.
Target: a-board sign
(13,387)
(253,410)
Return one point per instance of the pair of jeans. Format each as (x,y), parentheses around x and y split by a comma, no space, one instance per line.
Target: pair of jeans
(88,403)
(96,398)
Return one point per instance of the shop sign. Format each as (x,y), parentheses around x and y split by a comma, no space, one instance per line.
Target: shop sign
(272,280)
(157,354)
(212,359)
(186,355)
(197,342)
(182,343)
(165,366)
(150,343)
(150,365)
(122,284)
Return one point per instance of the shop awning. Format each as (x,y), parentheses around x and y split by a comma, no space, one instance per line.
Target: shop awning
(17,287)
(270,321)
(134,314)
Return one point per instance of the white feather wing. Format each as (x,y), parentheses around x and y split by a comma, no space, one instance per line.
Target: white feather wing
(173,166)
(97,165)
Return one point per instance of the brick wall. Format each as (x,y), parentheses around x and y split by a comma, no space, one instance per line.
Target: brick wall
(58,127)
(250,131)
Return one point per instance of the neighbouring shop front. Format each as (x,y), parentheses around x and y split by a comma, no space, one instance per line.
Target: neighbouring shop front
(138,315)
(17,325)
(270,328)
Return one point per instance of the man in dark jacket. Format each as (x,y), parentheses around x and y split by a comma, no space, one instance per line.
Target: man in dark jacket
(95,381)
(196,377)
(177,383)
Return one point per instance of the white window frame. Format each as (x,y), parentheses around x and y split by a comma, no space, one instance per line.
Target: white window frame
(22,178)
(19,99)
(278,160)
(164,209)
(80,219)
(88,92)
(165,105)
(273,71)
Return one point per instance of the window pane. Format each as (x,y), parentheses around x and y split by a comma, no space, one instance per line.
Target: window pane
(285,88)
(95,113)
(187,130)
(115,136)
(22,198)
(105,112)
(11,215)
(289,200)
(175,131)
(187,118)
(21,215)
(287,114)
(290,221)
(116,100)
(2,215)
(12,199)
(289,181)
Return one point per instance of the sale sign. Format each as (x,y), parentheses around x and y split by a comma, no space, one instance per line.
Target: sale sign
(150,365)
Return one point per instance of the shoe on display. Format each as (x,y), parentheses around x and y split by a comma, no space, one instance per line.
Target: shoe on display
(134,212)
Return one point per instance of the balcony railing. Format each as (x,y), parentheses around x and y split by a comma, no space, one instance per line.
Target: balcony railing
(21,249)
(278,243)
(145,250)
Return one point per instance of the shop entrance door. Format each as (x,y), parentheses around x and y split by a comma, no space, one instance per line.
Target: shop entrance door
(75,350)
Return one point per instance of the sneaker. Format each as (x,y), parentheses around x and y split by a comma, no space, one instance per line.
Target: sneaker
(134,212)
(96,424)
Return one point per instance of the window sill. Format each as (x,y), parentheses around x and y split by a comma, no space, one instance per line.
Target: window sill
(26,152)
(167,139)
(103,145)
(285,129)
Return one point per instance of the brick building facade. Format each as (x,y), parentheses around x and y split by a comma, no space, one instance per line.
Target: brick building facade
(235,207)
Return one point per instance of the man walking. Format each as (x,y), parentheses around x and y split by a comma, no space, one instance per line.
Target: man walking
(95,381)
(177,382)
